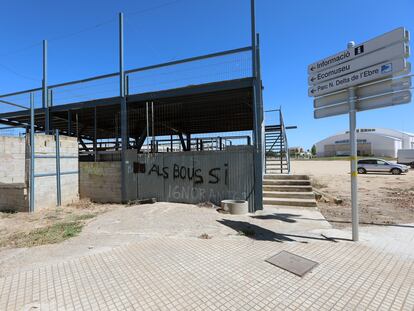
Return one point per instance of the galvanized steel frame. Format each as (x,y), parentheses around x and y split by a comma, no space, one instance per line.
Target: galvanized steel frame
(123,88)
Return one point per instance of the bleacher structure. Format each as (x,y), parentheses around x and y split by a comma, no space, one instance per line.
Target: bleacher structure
(208,102)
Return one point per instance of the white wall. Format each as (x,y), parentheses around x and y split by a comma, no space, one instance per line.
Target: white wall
(382,145)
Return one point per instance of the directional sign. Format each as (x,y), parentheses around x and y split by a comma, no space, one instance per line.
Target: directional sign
(389,38)
(366,71)
(380,71)
(366,90)
(376,102)
(398,50)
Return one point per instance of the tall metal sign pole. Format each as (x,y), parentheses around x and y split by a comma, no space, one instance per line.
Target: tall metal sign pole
(367,76)
(257,118)
(353,158)
(123,107)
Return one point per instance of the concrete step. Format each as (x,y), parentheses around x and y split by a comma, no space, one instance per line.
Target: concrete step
(286,182)
(286,176)
(290,195)
(289,202)
(288,188)
(284,171)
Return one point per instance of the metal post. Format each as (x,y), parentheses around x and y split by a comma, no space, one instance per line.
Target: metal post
(50,98)
(148,133)
(69,123)
(257,123)
(261,110)
(188,138)
(45,102)
(126,85)
(58,184)
(95,134)
(124,129)
(32,155)
(353,143)
(153,128)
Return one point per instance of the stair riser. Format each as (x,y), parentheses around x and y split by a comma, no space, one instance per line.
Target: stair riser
(287,189)
(286,182)
(288,195)
(289,203)
(286,177)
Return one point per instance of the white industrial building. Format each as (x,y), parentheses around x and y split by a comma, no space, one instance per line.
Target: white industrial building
(378,142)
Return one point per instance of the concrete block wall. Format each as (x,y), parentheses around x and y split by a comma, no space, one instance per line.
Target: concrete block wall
(45,187)
(15,172)
(100,181)
(13,197)
(12,160)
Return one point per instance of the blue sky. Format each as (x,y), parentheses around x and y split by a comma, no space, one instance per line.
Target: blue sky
(83,42)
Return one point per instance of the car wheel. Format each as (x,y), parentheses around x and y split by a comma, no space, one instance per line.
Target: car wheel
(362,170)
(412,165)
(396,171)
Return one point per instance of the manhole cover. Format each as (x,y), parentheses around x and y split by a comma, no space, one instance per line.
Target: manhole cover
(293,263)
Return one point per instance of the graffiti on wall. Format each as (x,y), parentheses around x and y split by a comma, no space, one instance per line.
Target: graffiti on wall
(191,180)
(215,175)
(189,193)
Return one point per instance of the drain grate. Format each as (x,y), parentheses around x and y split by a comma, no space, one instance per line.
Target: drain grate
(293,263)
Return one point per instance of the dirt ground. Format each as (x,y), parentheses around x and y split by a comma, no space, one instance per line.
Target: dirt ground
(383,198)
(49,225)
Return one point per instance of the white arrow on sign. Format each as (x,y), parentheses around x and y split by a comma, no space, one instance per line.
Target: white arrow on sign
(367,90)
(376,72)
(376,102)
(394,51)
(394,36)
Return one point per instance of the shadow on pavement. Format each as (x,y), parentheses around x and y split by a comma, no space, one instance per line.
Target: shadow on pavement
(255,232)
(278,216)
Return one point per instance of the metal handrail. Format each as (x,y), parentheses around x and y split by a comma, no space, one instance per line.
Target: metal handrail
(286,146)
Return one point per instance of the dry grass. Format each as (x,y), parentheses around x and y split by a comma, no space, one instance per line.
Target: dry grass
(48,226)
(318,184)
(247,232)
(205,236)
(49,235)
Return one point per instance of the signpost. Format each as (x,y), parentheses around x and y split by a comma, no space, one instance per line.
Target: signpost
(376,72)
(366,90)
(367,76)
(399,50)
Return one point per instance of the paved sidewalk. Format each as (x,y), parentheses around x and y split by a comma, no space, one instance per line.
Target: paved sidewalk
(195,274)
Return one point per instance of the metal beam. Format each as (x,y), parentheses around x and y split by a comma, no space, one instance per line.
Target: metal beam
(83,144)
(32,156)
(186,60)
(184,91)
(70,122)
(141,139)
(257,155)
(58,180)
(95,134)
(188,136)
(180,135)
(45,102)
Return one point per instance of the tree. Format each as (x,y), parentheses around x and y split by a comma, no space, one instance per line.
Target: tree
(313,150)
